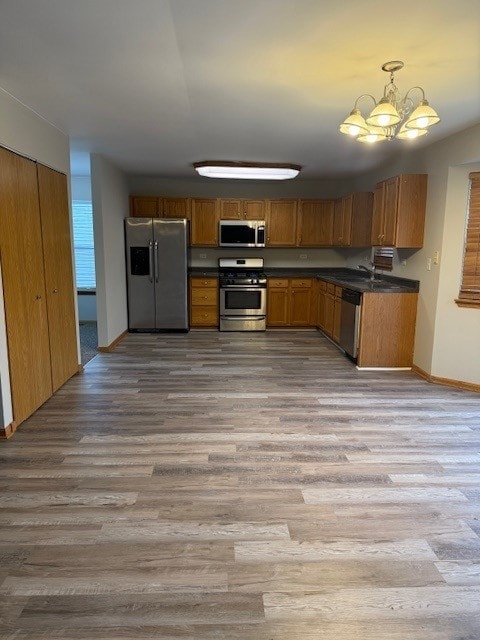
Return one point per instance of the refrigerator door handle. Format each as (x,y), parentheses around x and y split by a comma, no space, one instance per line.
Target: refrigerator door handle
(156,260)
(150,260)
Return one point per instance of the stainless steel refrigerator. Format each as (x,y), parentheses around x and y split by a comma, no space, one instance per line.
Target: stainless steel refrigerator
(157,264)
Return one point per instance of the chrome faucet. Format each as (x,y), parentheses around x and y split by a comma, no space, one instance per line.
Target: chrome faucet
(371,271)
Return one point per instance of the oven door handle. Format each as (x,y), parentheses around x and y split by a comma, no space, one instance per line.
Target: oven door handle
(243,318)
(242,288)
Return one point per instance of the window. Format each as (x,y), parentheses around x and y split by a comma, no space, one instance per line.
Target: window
(469,295)
(83,244)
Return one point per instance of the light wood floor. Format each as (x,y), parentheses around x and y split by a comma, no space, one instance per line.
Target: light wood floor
(242,487)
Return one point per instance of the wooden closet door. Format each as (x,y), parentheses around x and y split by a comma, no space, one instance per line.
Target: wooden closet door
(21,256)
(57,257)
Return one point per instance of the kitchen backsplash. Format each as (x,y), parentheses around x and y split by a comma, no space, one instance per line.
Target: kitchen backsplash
(294,257)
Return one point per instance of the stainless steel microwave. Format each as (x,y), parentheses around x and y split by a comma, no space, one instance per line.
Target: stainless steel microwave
(242,233)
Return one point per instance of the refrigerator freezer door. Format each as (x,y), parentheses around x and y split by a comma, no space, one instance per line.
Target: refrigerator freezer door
(140,275)
(170,240)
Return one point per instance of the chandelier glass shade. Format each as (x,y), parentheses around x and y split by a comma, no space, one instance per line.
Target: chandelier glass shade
(392,116)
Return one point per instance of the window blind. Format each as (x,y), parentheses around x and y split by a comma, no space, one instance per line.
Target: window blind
(83,244)
(470,288)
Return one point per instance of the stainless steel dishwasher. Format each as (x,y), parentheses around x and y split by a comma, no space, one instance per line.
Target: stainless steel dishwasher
(350,322)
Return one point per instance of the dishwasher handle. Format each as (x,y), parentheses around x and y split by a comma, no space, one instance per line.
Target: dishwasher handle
(353,297)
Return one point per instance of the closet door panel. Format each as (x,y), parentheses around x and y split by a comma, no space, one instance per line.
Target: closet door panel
(57,255)
(21,257)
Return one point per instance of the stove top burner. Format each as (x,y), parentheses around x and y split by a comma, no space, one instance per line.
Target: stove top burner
(238,272)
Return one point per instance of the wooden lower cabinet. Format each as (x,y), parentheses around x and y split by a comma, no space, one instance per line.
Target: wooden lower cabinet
(204,302)
(387,324)
(278,303)
(329,309)
(301,302)
(290,302)
(387,329)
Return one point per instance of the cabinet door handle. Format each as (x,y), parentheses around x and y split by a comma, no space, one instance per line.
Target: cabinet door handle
(55,291)
(37,297)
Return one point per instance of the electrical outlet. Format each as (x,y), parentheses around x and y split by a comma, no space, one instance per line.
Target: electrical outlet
(436,257)
(303,256)
(404,263)
(203,255)
(429,264)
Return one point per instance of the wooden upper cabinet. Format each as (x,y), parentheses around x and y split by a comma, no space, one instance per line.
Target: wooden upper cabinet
(57,258)
(315,223)
(204,227)
(145,206)
(230,209)
(175,208)
(281,223)
(159,207)
(342,225)
(254,209)
(399,211)
(361,204)
(24,285)
(353,220)
(242,209)
(378,215)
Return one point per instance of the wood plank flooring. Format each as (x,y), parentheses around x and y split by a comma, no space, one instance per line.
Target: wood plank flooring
(238,486)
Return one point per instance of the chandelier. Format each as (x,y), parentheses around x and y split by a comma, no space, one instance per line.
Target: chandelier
(392,116)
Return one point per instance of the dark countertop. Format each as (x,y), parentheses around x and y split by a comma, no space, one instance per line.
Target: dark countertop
(203,272)
(353,279)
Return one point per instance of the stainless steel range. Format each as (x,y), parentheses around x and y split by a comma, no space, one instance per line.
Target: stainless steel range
(243,294)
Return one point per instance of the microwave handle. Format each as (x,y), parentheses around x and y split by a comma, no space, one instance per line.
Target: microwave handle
(261,234)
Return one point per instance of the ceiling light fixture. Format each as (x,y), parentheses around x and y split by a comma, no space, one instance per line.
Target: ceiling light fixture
(392,116)
(247,170)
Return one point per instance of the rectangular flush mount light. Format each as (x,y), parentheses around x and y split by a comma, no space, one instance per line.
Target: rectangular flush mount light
(247,170)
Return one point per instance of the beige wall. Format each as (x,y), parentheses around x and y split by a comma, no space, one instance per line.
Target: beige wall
(110,207)
(210,188)
(457,330)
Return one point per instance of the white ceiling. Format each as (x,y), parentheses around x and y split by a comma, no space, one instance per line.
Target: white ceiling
(156,85)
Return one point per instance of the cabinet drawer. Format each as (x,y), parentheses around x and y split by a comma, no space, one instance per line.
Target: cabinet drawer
(330,288)
(206,296)
(277,283)
(322,285)
(204,282)
(203,316)
(301,283)
(338,292)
